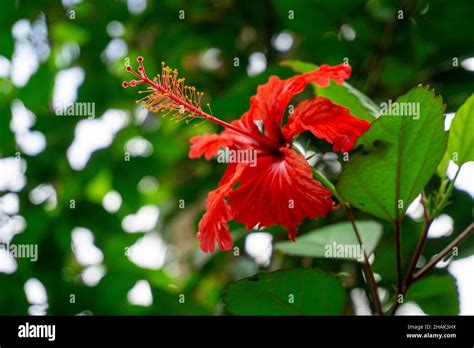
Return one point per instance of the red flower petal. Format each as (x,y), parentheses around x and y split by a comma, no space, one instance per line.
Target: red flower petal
(246,122)
(213,225)
(326,120)
(280,190)
(324,73)
(208,145)
(269,104)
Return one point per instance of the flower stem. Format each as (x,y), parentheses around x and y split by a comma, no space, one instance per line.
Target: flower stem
(369,273)
(328,185)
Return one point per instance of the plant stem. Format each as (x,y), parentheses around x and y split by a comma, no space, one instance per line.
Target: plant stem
(369,273)
(419,246)
(399,255)
(427,223)
(443,253)
(410,278)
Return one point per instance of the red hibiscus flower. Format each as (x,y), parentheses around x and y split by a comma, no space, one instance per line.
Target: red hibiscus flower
(279,189)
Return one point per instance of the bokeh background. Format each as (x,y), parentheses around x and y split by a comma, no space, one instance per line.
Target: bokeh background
(113,201)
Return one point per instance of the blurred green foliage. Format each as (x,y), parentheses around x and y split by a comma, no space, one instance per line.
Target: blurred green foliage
(388,55)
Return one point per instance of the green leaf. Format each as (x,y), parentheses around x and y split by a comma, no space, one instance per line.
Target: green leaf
(461,137)
(436,295)
(360,105)
(322,242)
(396,157)
(286,292)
